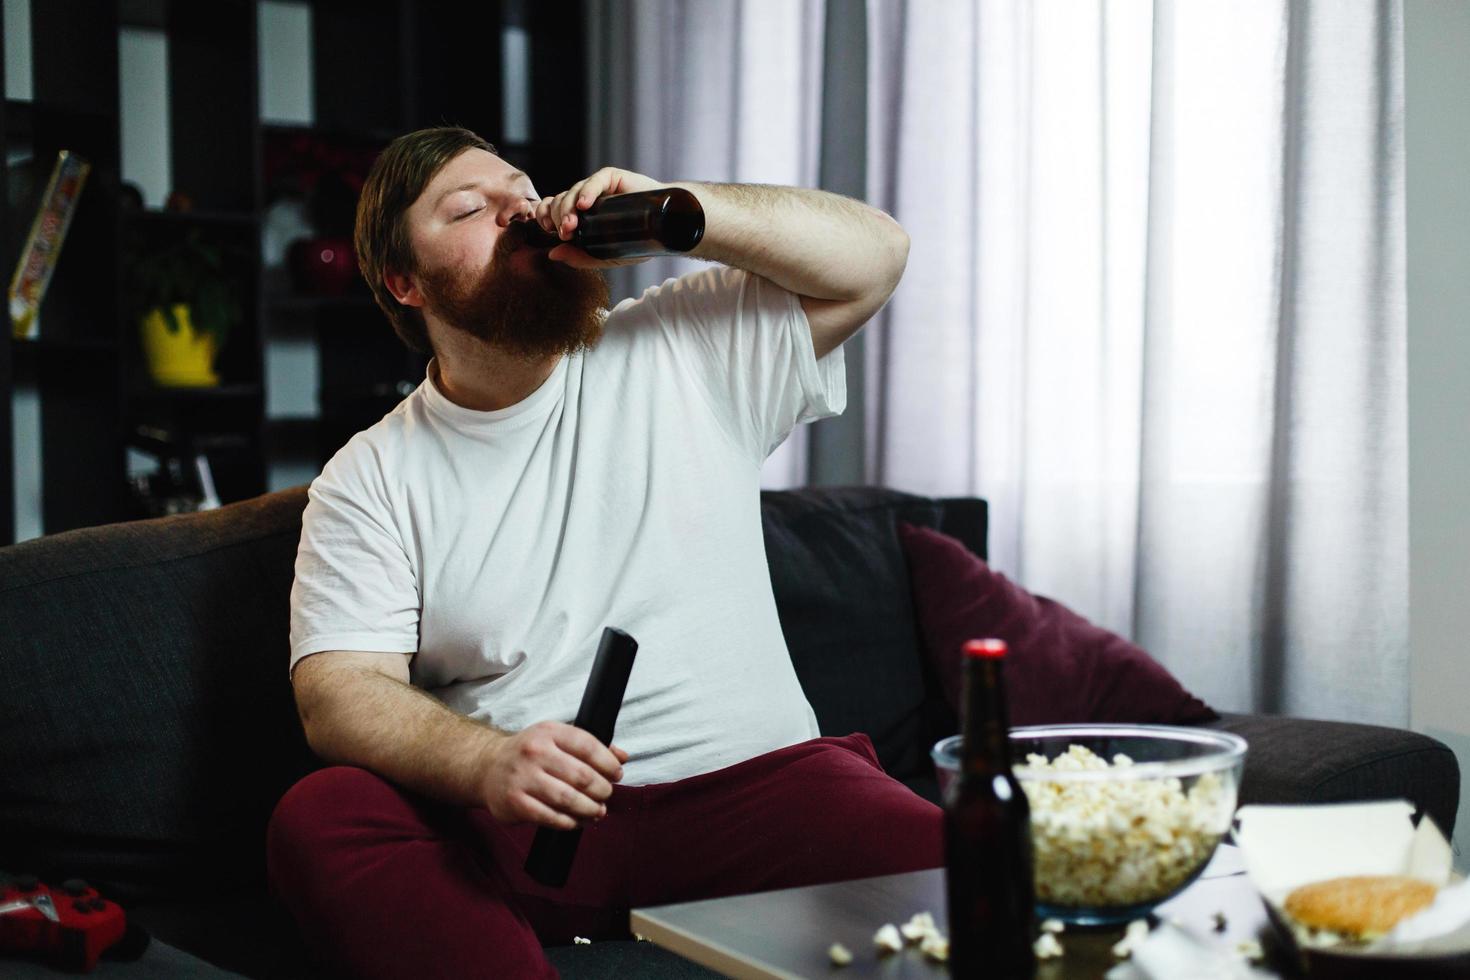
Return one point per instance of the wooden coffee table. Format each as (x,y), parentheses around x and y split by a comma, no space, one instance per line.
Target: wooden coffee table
(785,934)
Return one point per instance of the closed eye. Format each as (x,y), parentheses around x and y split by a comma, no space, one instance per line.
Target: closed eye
(468,213)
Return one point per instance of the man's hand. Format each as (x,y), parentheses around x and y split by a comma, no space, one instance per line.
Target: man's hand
(552,774)
(559,215)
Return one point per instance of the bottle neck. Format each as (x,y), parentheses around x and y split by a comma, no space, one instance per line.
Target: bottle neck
(987,725)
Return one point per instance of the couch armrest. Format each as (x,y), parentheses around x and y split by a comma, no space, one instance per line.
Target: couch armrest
(1296,760)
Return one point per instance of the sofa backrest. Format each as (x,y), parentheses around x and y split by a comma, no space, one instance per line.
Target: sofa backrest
(147,726)
(146,723)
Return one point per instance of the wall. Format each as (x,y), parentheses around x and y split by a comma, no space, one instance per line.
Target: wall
(1437,149)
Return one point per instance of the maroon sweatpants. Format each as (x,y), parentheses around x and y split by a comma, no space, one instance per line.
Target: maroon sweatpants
(386,883)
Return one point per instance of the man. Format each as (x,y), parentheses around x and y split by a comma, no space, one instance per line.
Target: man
(563,468)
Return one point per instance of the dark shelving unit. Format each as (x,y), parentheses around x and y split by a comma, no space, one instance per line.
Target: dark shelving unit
(380,68)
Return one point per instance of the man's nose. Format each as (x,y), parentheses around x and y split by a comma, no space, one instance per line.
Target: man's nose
(517,209)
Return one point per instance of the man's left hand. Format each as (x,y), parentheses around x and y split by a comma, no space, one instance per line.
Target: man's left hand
(559,214)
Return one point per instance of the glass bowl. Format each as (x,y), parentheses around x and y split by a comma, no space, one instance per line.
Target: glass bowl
(1112,841)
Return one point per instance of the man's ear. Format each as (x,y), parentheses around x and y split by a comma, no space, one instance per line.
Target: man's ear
(403,288)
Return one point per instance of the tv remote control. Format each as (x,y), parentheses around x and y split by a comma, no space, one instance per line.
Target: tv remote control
(552,850)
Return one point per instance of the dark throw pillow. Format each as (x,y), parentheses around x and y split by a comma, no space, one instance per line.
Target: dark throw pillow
(1060,668)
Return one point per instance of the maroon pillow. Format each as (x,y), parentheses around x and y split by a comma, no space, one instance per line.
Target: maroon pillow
(1060,667)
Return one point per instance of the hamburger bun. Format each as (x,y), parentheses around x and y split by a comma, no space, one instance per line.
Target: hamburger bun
(1359,907)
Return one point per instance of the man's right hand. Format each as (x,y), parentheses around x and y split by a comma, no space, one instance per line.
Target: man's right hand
(552,773)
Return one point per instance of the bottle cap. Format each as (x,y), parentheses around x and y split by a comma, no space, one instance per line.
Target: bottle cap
(989,649)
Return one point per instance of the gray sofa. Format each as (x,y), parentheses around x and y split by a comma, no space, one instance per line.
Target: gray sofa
(147,726)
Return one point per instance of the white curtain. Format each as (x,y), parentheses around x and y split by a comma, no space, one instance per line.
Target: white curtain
(1154,313)
(708,90)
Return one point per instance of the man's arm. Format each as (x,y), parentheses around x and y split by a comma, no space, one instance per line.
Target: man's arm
(359,709)
(841,256)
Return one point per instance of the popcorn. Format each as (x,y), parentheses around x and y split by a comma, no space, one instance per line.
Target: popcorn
(839,954)
(1124,842)
(887,939)
(1052,925)
(1250,949)
(1133,937)
(579,941)
(935,946)
(919,926)
(1046,946)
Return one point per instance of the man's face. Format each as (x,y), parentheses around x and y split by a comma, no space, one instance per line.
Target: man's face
(478,276)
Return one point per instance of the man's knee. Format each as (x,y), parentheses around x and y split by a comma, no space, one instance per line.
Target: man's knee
(328,802)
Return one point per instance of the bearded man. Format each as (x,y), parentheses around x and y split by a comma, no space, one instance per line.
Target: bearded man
(562,468)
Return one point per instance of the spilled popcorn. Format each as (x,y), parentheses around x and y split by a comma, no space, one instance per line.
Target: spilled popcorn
(935,946)
(1052,925)
(1133,936)
(1250,949)
(1124,842)
(1046,946)
(579,941)
(890,939)
(919,925)
(887,939)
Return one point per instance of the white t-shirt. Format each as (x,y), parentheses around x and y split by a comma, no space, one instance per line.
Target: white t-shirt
(624,491)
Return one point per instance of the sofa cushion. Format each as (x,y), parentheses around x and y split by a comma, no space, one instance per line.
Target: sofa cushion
(842,594)
(1061,668)
(147,727)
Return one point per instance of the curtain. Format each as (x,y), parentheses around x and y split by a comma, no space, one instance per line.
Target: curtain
(1154,312)
(708,90)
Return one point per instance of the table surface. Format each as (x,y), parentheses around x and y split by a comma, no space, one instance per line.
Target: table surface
(786,934)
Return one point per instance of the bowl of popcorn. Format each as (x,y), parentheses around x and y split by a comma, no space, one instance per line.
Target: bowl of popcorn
(1122,816)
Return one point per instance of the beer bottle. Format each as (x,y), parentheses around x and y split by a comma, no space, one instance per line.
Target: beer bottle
(657,222)
(987,834)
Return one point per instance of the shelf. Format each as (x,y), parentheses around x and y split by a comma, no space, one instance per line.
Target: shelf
(150,14)
(381,68)
(63,344)
(345,133)
(26,356)
(164,443)
(210,393)
(307,304)
(293,437)
(155,216)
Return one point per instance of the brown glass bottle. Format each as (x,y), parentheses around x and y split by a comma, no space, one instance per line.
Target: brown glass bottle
(987,834)
(624,226)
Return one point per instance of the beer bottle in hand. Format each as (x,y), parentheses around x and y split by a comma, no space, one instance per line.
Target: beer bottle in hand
(987,834)
(662,221)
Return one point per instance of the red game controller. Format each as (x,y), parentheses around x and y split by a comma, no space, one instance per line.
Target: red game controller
(70,926)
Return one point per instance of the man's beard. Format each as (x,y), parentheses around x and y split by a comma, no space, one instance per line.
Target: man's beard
(553,309)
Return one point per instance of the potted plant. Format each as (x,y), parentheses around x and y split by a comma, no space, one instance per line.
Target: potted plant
(186,303)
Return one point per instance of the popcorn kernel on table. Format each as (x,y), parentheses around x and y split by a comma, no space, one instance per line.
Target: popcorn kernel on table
(935,946)
(1046,946)
(887,939)
(1134,935)
(1250,949)
(919,926)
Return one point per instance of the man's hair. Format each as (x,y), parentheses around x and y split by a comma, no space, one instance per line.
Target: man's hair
(396,179)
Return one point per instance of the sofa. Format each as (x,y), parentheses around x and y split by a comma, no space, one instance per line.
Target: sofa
(147,726)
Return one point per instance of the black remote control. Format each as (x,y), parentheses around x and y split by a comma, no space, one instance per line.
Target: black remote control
(550,860)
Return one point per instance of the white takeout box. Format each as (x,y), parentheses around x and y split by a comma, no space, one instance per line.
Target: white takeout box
(1285,847)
